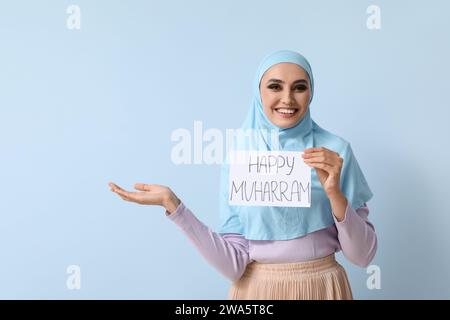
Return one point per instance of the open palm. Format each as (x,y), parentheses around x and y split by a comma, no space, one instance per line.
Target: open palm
(150,194)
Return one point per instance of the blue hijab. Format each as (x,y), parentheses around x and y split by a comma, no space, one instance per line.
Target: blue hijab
(283,223)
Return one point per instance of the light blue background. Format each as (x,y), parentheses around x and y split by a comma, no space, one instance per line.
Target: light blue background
(79,108)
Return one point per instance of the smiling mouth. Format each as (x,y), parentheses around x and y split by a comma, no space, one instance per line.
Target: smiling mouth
(286,112)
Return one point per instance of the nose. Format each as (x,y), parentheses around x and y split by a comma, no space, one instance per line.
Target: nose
(287,99)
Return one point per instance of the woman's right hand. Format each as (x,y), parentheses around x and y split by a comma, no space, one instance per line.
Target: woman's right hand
(151,194)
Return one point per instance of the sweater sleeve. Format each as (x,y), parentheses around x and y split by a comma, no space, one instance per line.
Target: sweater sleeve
(357,236)
(228,253)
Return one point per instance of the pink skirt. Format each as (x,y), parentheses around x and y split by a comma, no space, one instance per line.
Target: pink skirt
(319,279)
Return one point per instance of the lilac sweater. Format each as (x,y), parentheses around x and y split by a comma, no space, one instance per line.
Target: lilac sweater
(231,252)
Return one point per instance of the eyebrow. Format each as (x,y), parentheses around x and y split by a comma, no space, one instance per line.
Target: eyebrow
(281,81)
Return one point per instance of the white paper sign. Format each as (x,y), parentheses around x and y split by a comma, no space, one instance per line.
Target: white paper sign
(269,178)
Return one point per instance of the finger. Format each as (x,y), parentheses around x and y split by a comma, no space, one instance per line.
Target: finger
(123,197)
(318,153)
(131,197)
(331,158)
(115,187)
(126,194)
(112,185)
(315,149)
(321,159)
(143,187)
(324,166)
(313,154)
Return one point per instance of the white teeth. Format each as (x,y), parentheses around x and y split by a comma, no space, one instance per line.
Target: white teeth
(287,111)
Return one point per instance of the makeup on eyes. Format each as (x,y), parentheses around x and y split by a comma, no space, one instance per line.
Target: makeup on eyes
(274,84)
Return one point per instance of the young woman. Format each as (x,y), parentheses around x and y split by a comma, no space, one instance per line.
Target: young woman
(272,252)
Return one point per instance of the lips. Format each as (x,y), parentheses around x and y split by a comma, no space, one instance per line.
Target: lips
(286,112)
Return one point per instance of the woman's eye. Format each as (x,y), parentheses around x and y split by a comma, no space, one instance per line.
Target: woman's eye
(277,87)
(301,88)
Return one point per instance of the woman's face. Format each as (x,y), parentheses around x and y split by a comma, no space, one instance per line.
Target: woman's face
(285,92)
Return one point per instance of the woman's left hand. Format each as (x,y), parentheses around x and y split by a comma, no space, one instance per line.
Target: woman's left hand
(328,165)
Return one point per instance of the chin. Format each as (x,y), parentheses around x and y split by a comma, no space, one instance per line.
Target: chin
(286,123)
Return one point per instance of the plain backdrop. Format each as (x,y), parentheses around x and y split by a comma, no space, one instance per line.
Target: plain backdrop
(79,108)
